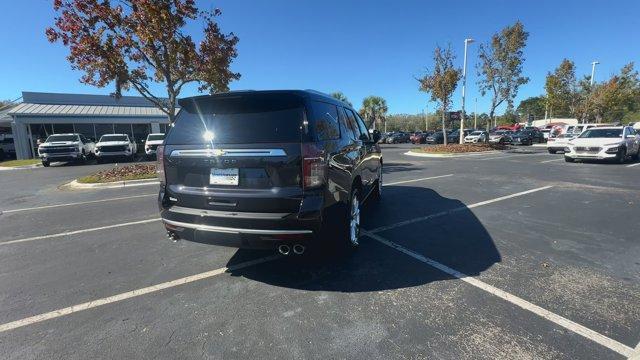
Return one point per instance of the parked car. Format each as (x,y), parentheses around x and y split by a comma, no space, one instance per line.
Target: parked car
(522,137)
(436,138)
(500,137)
(604,143)
(151,143)
(398,138)
(558,143)
(66,147)
(114,146)
(476,137)
(7,147)
(299,177)
(418,137)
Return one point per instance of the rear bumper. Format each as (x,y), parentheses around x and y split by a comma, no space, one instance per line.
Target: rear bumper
(244,229)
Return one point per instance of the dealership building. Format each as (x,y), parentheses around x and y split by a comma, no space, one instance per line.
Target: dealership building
(42,114)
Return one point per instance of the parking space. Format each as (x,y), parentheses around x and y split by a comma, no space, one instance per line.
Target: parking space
(510,255)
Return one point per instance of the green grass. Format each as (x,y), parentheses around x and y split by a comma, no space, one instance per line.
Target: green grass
(14,163)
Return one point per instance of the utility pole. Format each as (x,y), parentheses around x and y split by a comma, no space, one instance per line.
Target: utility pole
(593,71)
(464,84)
(475,114)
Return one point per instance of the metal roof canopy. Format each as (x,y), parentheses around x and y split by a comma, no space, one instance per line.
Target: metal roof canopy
(72,105)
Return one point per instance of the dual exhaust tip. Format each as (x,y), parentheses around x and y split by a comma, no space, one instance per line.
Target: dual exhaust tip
(297,249)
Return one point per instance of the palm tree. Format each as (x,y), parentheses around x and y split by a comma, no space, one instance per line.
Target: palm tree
(340,96)
(374,109)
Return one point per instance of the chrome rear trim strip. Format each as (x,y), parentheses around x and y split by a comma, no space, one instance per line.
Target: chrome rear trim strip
(227,153)
(227,214)
(221,229)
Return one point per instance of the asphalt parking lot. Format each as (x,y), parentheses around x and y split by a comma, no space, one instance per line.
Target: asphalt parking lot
(515,255)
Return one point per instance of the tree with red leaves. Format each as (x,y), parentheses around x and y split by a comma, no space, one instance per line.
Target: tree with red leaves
(139,42)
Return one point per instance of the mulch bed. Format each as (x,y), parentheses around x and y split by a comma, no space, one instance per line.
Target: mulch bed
(461,148)
(121,173)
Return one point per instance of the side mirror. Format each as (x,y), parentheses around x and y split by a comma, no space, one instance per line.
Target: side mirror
(376,136)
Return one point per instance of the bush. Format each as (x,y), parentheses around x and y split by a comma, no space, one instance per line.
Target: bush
(122,173)
(461,148)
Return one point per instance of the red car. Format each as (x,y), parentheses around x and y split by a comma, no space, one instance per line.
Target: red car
(418,137)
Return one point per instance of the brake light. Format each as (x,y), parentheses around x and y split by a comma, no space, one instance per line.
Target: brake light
(314,167)
(160,164)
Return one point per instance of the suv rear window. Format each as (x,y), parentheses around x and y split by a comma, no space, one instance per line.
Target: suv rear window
(241,122)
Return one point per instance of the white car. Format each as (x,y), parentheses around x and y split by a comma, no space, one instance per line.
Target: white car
(475,137)
(559,142)
(151,144)
(113,146)
(604,143)
(66,147)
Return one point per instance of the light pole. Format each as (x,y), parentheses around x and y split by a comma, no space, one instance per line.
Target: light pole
(593,71)
(475,115)
(464,84)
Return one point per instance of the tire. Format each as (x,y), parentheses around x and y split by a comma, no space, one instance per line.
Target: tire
(83,158)
(636,156)
(99,160)
(45,163)
(621,156)
(352,229)
(551,151)
(568,159)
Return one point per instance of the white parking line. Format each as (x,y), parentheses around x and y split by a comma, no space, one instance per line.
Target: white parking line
(81,231)
(636,353)
(130,294)
(632,165)
(75,203)
(454,210)
(414,180)
(557,319)
(548,161)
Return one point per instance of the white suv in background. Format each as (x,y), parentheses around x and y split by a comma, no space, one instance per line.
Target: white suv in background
(151,144)
(604,143)
(65,147)
(113,146)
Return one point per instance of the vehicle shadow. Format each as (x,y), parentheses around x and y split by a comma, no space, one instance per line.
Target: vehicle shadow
(392,167)
(457,239)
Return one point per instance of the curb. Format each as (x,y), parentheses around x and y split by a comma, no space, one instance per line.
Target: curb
(7,168)
(75,185)
(451,155)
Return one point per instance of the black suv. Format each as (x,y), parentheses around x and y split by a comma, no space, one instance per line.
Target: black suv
(267,169)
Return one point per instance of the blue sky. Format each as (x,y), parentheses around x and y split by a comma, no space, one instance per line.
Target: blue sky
(358,47)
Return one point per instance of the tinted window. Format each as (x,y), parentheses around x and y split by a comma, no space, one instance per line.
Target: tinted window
(324,121)
(155,137)
(282,125)
(114,138)
(602,133)
(364,133)
(53,138)
(352,124)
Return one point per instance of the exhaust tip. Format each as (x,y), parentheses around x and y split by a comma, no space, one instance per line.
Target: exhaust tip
(173,236)
(284,249)
(298,249)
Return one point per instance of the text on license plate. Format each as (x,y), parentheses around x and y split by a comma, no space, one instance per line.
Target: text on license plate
(224,177)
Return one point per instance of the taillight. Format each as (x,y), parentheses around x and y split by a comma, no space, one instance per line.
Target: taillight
(314,167)
(160,164)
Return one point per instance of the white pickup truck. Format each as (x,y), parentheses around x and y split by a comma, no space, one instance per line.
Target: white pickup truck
(112,146)
(151,144)
(604,143)
(66,147)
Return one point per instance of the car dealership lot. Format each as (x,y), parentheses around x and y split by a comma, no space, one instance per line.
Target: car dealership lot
(510,255)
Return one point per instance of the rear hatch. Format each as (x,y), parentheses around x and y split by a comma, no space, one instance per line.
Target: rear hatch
(237,153)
